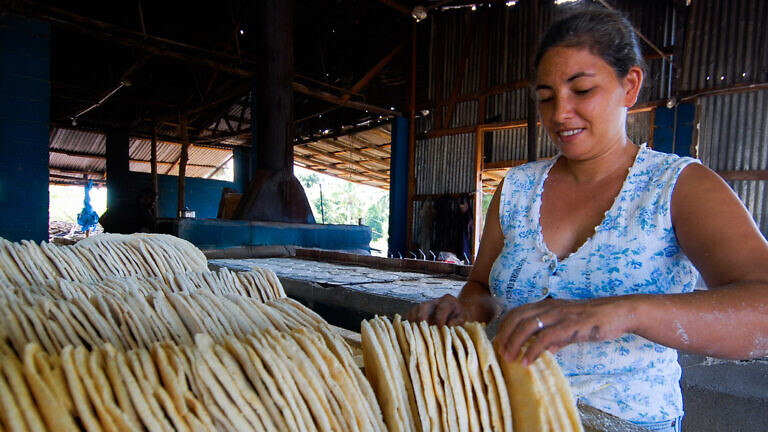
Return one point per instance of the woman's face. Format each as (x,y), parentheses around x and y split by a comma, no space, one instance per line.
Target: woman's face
(583,104)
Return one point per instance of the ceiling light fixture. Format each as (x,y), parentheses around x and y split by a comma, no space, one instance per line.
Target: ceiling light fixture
(419,13)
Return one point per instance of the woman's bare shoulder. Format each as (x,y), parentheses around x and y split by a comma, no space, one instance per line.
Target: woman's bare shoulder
(715,230)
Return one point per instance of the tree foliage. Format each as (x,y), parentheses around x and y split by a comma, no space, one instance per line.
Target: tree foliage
(346,203)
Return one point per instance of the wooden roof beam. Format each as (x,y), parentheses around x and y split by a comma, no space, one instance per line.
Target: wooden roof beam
(365,170)
(344,147)
(327,97)
(383,148)
(337,155)
(343,160)
(319,166)
(373,72)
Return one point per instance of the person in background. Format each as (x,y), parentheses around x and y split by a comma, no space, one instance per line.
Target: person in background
(140,217)
(594,254)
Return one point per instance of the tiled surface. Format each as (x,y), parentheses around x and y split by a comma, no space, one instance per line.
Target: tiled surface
(409,286)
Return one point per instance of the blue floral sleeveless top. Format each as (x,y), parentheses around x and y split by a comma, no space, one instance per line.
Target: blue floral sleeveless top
(633,251)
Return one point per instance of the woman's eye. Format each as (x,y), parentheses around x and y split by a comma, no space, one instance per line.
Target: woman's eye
(544,98)
(585,91)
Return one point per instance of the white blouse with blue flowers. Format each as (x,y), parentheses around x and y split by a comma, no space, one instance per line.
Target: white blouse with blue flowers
(633,251)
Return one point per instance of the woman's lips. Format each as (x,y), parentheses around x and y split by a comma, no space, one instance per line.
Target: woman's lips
(569,135)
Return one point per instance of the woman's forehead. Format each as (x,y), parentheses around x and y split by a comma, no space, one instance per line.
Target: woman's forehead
(562,64)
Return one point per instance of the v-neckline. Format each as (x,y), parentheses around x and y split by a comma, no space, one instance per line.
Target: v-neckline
(540,242)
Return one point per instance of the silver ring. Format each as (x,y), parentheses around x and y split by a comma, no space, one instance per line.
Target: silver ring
(539,323)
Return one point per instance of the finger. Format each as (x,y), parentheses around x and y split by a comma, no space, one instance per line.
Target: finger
(555,337)
(421,312)
(444,310)
(456,320)
(509,325)
(544,340)
(413,313)
(525,329)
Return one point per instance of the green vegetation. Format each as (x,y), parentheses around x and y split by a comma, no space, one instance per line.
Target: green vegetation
(347,203)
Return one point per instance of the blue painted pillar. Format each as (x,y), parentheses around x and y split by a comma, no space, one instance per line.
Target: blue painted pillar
(118,187)
(398,188)
(253,162)
(24,128)
(242,163)
(673,129)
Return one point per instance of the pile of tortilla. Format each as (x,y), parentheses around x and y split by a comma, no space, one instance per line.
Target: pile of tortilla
(272,381)
(429,378)
(258,283)
(164,346)
(130,320)
(98,257)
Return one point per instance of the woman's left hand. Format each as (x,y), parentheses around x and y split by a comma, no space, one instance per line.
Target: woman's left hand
(553,324)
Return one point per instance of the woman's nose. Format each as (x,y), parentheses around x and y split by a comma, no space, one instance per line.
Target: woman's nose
(563,109)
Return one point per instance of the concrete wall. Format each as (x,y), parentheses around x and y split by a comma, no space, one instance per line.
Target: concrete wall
(24,122)
(202,195)
(222,234)
(723,395)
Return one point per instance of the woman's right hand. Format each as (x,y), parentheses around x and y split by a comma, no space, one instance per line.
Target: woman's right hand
(446,310)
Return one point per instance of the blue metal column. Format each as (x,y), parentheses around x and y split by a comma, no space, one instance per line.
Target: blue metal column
(242,164)
(119,190)
(24,122)
(673,129)
(398,188)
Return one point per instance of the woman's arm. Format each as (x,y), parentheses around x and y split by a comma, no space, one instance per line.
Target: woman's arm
(716,232)
(475,302)
(729,320)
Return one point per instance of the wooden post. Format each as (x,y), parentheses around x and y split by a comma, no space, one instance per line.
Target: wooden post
(182,160)
(479,146)
(533,30)
(153,163)
(480,137)
(411,134)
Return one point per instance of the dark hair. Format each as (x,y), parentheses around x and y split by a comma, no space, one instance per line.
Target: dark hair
(606,33)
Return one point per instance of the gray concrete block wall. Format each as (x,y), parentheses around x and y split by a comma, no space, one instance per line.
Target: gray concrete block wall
(723,395)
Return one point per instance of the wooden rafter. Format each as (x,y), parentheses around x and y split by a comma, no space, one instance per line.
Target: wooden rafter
(324,96)
(346,148)
(339,149)
(382,150)
(345,161)
(359,85)
(339,171)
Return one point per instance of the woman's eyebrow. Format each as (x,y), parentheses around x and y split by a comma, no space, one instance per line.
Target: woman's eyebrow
(578,75)
(573,77)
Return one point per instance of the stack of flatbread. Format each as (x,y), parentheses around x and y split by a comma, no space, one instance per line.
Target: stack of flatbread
(260,284)
(133,320)
(429,378)
(97,258)
(272,381)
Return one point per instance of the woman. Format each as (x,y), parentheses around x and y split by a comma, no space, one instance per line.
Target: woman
(596,251)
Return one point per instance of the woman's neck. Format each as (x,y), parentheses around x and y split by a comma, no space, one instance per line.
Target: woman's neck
(615,158)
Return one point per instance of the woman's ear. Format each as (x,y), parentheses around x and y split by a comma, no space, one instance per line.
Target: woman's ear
(633,82)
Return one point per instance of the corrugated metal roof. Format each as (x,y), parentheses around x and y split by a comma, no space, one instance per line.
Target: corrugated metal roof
(361,157)
(75,152)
